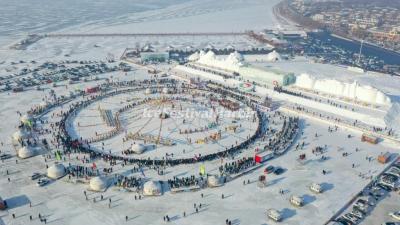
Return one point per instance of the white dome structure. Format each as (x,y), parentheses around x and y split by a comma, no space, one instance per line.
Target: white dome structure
(26,152)
(98,183)
(26,118)
(56,171)
(214,181)
(273,56)
(20,135)
(138,148)
(152,188)
(165,90)
(148,91)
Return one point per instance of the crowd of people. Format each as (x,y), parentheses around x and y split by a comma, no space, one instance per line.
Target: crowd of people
(72,144)
(185,182)
(237,166)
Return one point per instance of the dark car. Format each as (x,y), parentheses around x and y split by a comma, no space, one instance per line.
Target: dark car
(5,156)
(279,171)
(344,221)
(269,169)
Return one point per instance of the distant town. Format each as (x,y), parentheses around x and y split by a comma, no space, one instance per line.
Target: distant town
(375,22)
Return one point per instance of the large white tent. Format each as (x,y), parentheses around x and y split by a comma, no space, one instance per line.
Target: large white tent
(214,181)
(26,152)
(98,183)
(56,171)
(138,148)
(20,135)
(152,188)
(273,56)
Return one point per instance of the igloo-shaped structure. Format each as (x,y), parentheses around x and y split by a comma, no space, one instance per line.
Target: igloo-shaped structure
(152,188)
(273,56)
(20,135)
(215,181)
(165,90)
(98,183)
(56,171)
(138,148)
(26,152)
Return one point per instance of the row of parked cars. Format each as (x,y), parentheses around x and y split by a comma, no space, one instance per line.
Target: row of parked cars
(385,183)
(49,72)
(40,180)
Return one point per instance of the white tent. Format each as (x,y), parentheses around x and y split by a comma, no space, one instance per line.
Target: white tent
(214,181)
(148,91)
(273,56)
(165,90)
(98,183)
(20,135)
(138,148)
(152,188)
(56,171)
(26,152)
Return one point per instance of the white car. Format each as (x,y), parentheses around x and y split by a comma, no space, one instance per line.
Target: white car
(395,215)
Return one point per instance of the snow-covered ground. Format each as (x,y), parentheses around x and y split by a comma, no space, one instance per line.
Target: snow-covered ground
(63,202)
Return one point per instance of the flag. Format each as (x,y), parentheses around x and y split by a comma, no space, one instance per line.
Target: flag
(202,170)
(58,155)
(29,123)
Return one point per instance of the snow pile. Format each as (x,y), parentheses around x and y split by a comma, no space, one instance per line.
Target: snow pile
(353,91)
(194,57)
(392,117)
(273,56)
(230,63)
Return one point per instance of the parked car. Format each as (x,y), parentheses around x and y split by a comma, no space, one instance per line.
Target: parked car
(351,217)
(344,221)
(395,215)
(42,182)
(279,171)
(269,169)
(5,156)
(35,176)
(357,213)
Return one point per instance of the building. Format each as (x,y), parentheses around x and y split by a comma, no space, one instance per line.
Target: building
(266,76)
(154,56)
